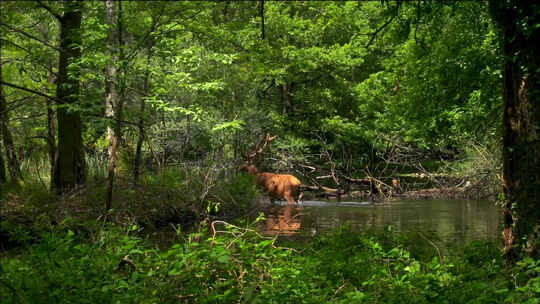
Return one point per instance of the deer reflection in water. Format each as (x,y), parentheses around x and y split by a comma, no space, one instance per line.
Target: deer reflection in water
(282,220)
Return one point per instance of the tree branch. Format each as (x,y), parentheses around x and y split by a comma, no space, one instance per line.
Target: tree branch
(56,15)
(374,34)
(30,36)
(59,100)
(29,90)
(15,45)
(153,26)
(152,29)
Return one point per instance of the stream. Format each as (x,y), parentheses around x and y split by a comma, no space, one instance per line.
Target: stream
(451,222)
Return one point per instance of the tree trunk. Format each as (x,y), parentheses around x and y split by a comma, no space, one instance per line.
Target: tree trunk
(141,135)
(113,105)
(2,170)
(43,29)
(51,140)
(70,168)
(11,153)
(521,88)
(51,132)
(262,19)
(286,96)
(2,177)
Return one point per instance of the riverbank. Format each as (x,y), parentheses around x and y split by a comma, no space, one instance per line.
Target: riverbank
(230,264)
(174,197)
(70,250)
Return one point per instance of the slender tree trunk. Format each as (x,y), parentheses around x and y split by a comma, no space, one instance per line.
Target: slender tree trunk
(51,139)
(51,132)
(521,95)
(5,134)
(70,169)
(2,177)
(111,79)
(113,102)
(2,169)
(286,96)
(162,140)
(262,19)
(11,153)
(141,135)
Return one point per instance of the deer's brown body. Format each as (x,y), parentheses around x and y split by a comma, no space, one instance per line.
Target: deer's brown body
(277,186)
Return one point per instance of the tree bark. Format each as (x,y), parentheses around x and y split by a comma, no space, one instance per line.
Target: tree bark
(521,119)
(2,177)
(51,139)
(113,105)
(2,170)
(51,132)
(70,169)
(141,135)
(262,19)
(286,96)
(11,153)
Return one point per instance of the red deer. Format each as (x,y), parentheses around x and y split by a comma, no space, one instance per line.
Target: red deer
(277,186)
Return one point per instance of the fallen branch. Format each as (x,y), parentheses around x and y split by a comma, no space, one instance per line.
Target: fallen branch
(435,246)
(357,180)
(327,190)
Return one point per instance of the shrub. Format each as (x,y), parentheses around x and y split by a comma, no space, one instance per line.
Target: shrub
(230,264)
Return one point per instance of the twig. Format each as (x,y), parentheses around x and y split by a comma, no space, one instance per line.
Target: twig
(432,244)
(126,261)
(55,14)
(213,229)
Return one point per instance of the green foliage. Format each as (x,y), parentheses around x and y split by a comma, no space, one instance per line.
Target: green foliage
(61,270)
(202,82)
(526,279)
(447,77)
(237,265)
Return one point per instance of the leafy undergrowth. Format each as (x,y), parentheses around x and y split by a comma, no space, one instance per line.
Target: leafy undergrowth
(236,265)
(180,195)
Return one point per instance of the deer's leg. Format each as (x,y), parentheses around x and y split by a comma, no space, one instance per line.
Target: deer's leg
(299,198)
(287,196)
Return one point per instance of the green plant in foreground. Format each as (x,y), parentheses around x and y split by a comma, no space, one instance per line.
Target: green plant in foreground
(235,264)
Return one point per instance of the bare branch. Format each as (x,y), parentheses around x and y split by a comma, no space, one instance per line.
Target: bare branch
(30,36)
(250,157)
(29,90)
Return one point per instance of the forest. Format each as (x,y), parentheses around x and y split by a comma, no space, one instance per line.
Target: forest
(195,151)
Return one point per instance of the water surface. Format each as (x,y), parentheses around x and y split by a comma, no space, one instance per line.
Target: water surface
(452,221)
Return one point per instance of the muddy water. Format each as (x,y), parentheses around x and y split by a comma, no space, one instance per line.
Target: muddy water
(454,222)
